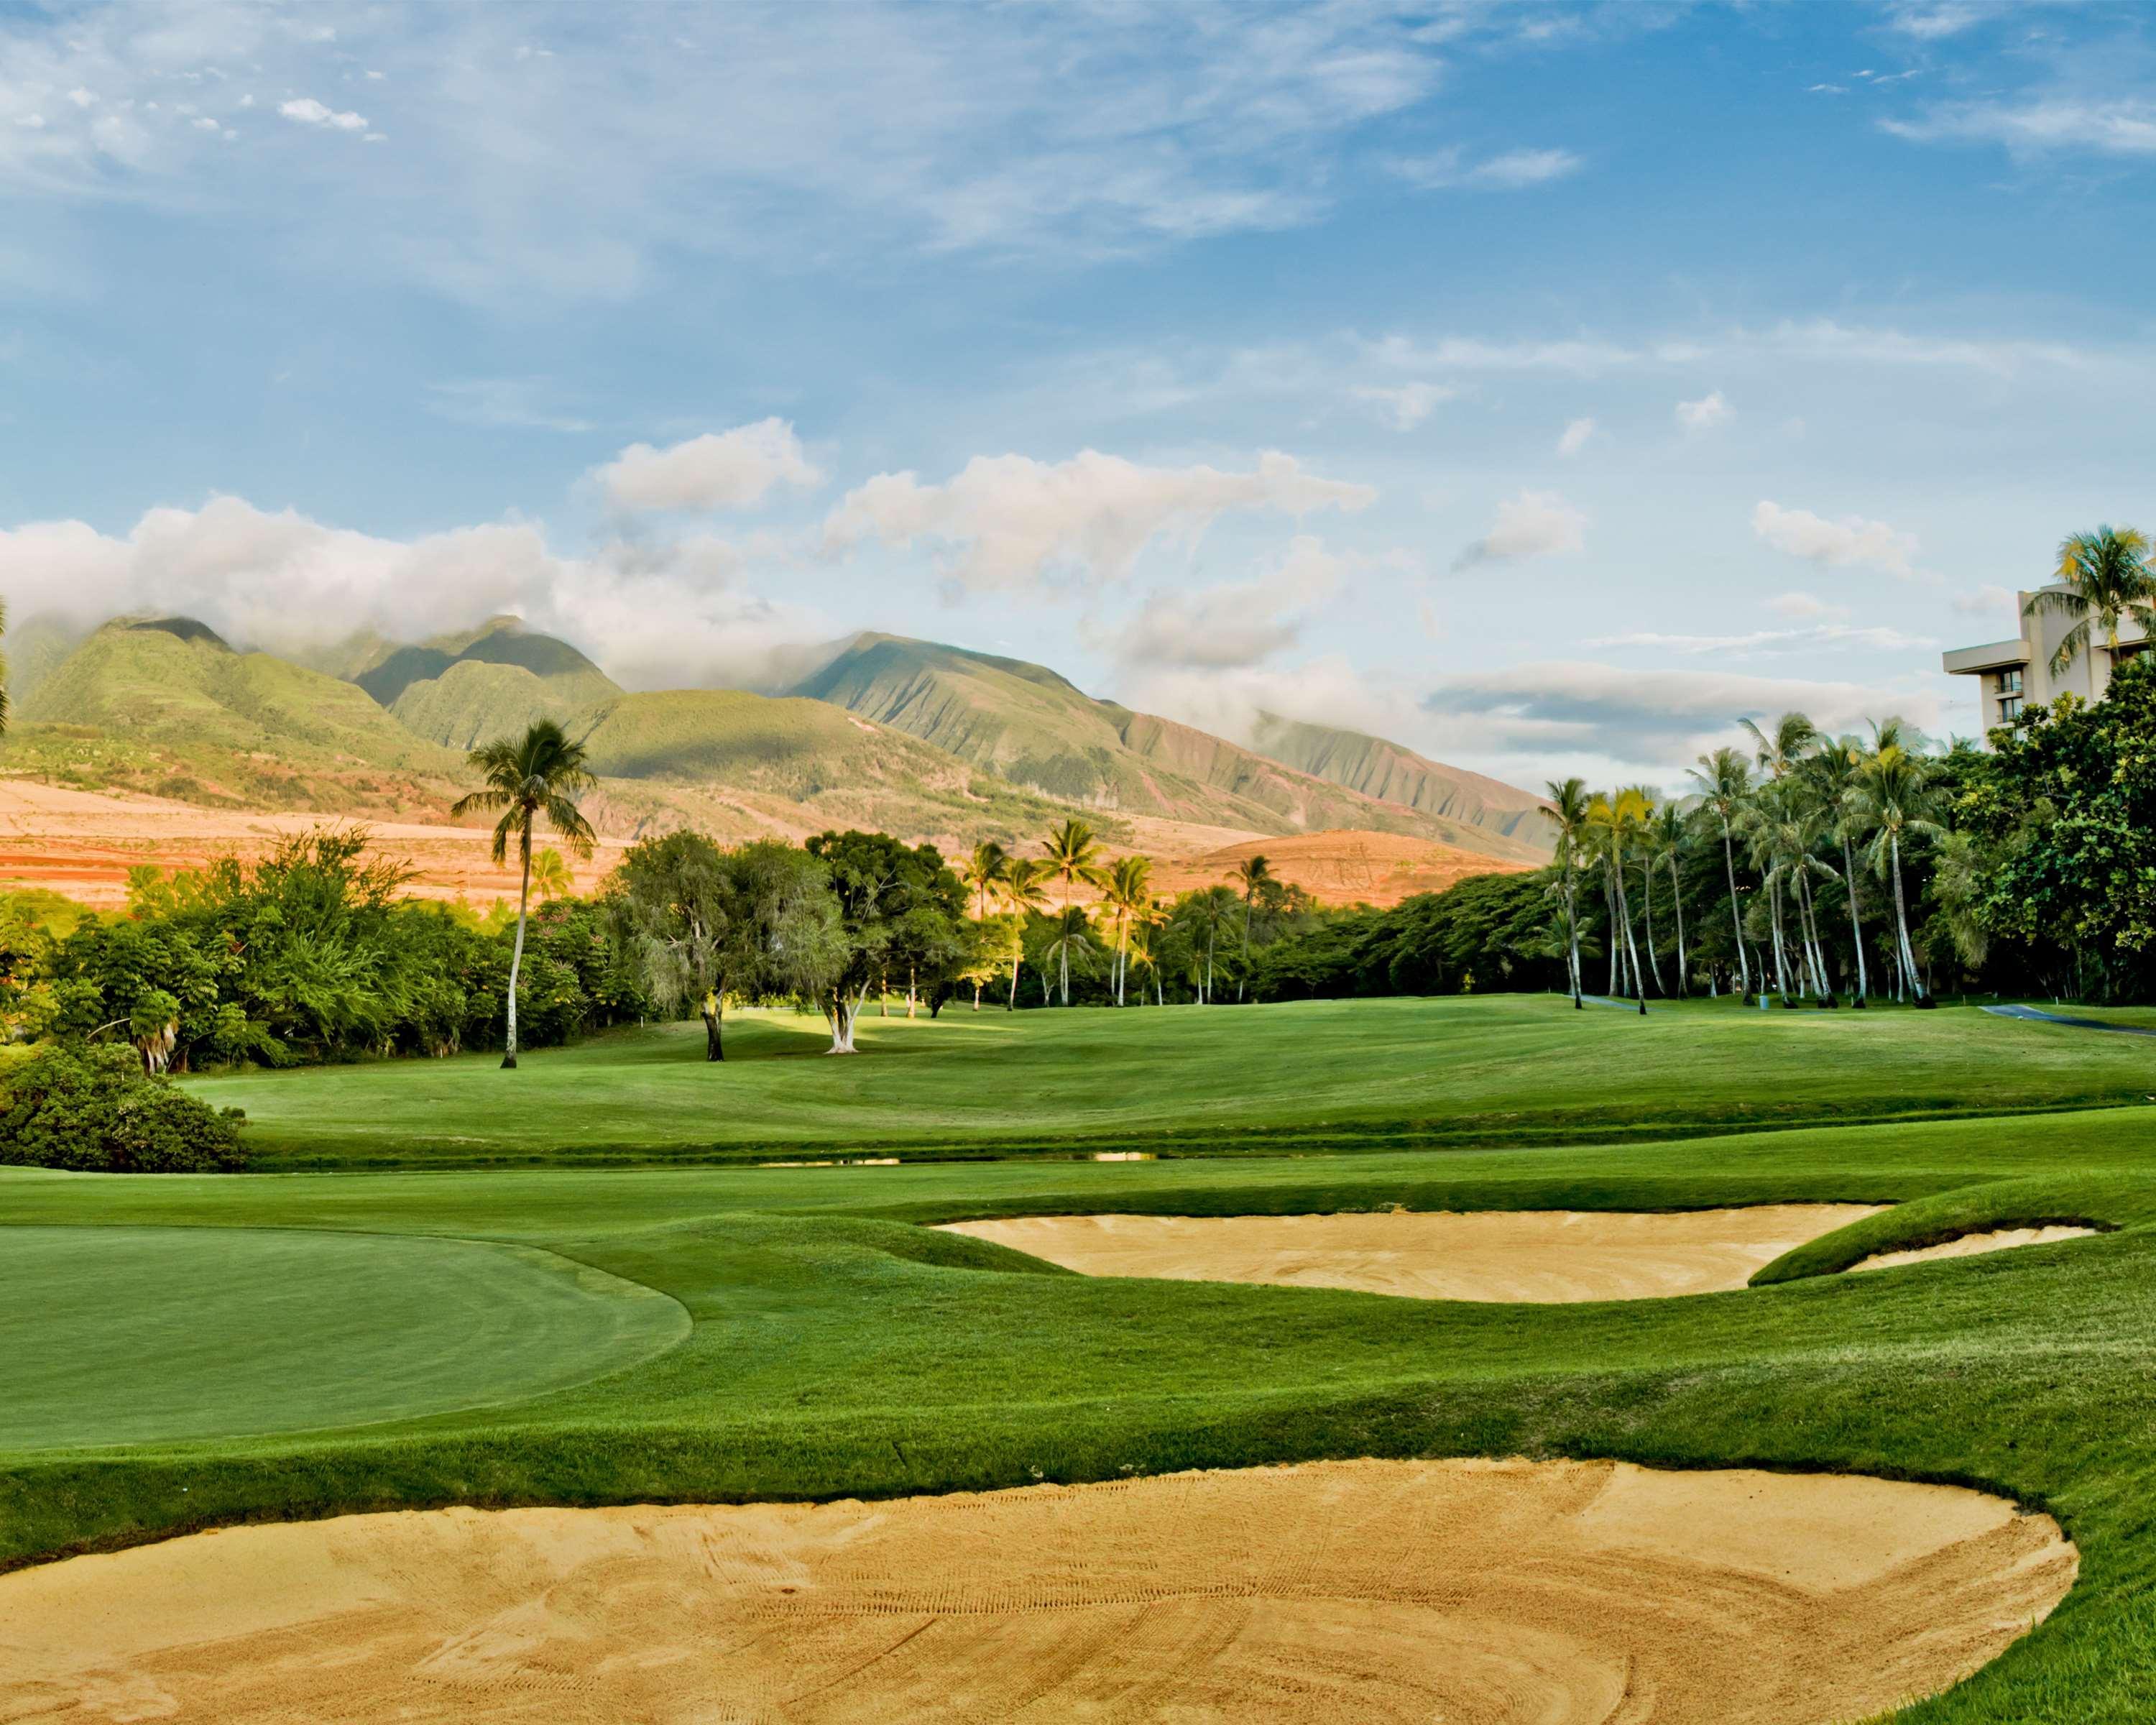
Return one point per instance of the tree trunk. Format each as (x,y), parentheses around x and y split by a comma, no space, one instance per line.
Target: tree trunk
(1018,958)
(1206,999)
(1647,886)
(1572,926)
(714,1049)
(1856,924)
(1632,946)
(1616,945)
(912,989)
(1676,898)
(1781,967)
(1729,865)
(843,1013)
(516,957)
(1902,918)
(1245,978)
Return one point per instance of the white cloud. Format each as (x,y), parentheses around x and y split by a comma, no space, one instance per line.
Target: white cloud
(1513,170)
(1534,524)
(1234,623)
(1552,716)
(1709,410)
(1989,600)
(1577,432)
(1010,522)
(654,615)
(310,112)
(1407,405)
(2040,124)
(508,403)
(1850,541)
(721,470)
(1805,608)
(1768,642)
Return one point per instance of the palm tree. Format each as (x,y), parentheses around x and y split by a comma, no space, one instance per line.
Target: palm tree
(1072,928)
(1650,859)
(1896,793)
(1072,857)
(1210,907)
(1251,873)
(537,773)
(1128,891)
(2106,579)
(1024,888)
(1568,812)
(1830,776)
(1669,832)
(1622,816)
(982,872)
(1724,784)
(1138,950)
(551,878)
(1779,750)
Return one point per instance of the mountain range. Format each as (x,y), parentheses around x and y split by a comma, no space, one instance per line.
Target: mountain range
(928,740)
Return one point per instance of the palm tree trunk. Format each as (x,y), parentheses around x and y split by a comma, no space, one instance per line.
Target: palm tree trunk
(1241,979)
(1781,967)
(1676,897)
(1572,927)
(1616,944)
(1855,925)
(1207,999)
(1901,919)
(1729,865)
(516,957)
(1017,959)
(1631,947)
(1647,886)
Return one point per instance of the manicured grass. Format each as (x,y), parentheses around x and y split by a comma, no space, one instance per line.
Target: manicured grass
(1326,1076)
(839,1349)
(125,1335)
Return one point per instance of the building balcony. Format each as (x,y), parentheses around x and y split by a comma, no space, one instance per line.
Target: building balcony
(1996,655)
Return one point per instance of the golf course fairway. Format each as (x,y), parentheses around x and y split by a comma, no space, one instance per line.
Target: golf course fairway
(665,1347)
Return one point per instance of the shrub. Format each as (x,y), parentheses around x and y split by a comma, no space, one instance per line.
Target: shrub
(91,1109)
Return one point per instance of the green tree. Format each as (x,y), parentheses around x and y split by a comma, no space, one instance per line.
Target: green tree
(1723,783)
(1899,802)
(538,773)
(2107,578)
(1566,812)
(1620,819)
(1073,858)
(1127,892)
(895,905)
(1025,891)
(983,873)
(1253,875)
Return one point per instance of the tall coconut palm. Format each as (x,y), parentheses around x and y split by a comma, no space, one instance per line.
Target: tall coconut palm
(1724,782)
(1899,800)
(1830,776)
(1779,751)
(538,773)
(1073,934)
(1210,908)
(1127,892)
(1072,854)
(983,872)
(551,878)
(1253,875)
(1138,951)
(1649,859)
(1024,888)
(2107,579)
(1621,816)
(1568,812)
(1668,835)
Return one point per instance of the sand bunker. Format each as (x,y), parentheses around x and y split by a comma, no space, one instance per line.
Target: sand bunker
(1469,1592)
(1540,1256)
(1969,1245)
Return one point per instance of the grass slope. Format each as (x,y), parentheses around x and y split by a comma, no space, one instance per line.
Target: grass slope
(1318,1076)
(260,1330)
(1029,724)
(1393,774)
(838,1350)
(157,707)
(794,767)
(565,679)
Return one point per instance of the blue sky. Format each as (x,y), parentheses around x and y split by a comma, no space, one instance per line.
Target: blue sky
(1545,385)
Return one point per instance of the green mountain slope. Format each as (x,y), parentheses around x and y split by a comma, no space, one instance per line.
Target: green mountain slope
(1393,774)
(166,705)
(741,762)
(572,680)
(1029,724)
(35,647)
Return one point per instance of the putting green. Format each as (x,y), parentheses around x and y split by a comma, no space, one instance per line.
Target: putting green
(132,1335)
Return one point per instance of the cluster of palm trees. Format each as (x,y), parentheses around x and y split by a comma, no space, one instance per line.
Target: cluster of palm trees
(1122,891)
(1805,814)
